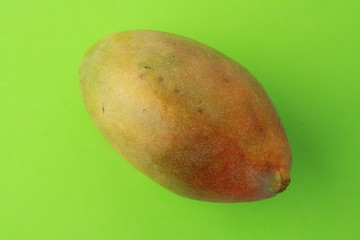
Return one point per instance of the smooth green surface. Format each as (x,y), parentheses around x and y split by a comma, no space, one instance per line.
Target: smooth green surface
(60,180)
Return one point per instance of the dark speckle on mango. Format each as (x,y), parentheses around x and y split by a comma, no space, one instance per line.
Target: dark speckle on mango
(226,80)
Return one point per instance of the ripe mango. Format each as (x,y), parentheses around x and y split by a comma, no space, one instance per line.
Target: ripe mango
(187,116)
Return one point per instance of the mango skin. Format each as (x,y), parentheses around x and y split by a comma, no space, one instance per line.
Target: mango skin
(185,115)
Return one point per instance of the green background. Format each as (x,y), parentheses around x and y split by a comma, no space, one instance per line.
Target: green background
(60,180)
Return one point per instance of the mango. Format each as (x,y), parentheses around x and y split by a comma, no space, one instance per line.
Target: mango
(188,117)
